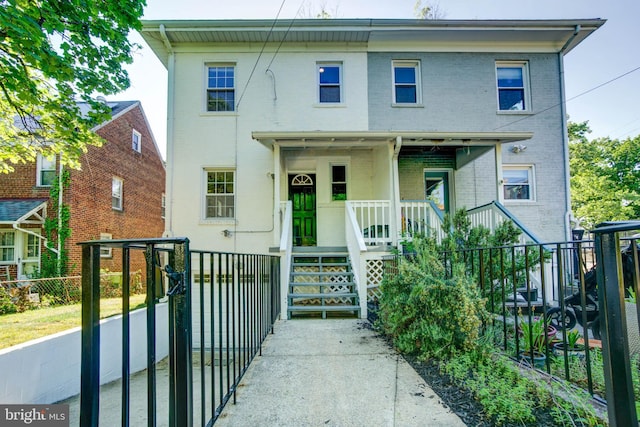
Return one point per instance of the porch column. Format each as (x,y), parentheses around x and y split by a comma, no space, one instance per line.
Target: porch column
(499,177)
(395,190)
(277,215)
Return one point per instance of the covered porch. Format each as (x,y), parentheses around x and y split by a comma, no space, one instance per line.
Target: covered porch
(369,191)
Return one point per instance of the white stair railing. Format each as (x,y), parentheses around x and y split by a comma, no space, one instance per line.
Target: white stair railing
(286,250)
(420,217)
(493,214)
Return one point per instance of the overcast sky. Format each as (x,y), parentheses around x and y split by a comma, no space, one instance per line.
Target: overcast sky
(612,51)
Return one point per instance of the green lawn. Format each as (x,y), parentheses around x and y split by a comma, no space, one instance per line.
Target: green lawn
(20,327)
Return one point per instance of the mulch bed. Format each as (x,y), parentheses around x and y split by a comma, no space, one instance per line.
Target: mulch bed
(459,399)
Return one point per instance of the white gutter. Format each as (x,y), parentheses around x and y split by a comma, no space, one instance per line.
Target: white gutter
(565,137)
(170,133)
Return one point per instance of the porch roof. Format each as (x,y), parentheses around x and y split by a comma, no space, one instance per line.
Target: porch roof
(348,139)
(22,211)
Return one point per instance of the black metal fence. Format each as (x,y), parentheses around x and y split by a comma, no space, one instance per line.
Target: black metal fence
(569,309)
(221,308)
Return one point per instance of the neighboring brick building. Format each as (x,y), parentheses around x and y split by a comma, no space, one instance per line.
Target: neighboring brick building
(118,193)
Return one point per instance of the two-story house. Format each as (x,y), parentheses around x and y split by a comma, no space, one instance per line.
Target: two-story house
(317,136)
(118,193)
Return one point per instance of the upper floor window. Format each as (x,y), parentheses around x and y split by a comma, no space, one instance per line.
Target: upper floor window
(46,170)
(518,183)
(163,205)
(7,246)
(329,83)
(221,88)
(406,82)
(513,86)
(116,193)
(220,194)
(338,182)
(136,141)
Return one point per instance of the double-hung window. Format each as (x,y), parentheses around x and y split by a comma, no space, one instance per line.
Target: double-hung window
(338,182)
(329,83)
(7,246)
(518,183)
(513,86)
(406,82)
(221,92)
(32,246)
(46,169)
(136,141)
(220,194)
(116,193)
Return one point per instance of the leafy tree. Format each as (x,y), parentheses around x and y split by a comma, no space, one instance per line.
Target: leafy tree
(605,177)
(428,10)
(54,53)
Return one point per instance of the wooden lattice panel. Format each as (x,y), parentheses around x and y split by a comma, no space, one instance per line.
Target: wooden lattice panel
(375,274)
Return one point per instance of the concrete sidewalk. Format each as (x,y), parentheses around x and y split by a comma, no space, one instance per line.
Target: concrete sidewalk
(332,373)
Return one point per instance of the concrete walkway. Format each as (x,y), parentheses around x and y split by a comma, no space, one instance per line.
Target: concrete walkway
(332,373)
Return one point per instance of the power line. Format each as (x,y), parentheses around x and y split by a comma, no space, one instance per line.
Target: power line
(260,55)
(285,35)
(571,99)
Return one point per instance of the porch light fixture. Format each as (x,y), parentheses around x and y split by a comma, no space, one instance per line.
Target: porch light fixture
(518,148)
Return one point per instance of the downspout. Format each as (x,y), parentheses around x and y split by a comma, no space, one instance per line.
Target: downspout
(59,245)
(170,130)
(565,136)
(396,188)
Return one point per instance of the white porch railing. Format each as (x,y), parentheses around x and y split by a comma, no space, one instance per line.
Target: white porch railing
(493,214)
(420,217)
(286,249)
(373,217)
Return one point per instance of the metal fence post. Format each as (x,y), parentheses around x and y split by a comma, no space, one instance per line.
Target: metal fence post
(90,364)
(615,345)
(180,346)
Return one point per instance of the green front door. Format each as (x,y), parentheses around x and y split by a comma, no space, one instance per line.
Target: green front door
(302,193)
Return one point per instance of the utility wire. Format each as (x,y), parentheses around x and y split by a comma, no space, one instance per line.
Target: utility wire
(260,55)
(571,99)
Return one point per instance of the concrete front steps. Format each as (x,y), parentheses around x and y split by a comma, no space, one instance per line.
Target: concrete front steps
(321,283)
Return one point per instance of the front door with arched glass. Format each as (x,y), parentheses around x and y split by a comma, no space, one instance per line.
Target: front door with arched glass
(302,193)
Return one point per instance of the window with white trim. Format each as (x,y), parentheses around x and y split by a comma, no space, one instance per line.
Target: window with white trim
(163,205)
(116,193)
(46,171)
(221,90)
(106,251)
(512,80)
(518,183)
(32,247)
(406,82)
(220,196)
(7,246)
(136,141)
(338,182)
(329,83)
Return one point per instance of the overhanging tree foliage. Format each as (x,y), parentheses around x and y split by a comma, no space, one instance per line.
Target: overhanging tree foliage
(605,177)
(54,53)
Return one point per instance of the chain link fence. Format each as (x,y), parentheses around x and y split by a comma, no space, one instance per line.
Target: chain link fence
(17,296)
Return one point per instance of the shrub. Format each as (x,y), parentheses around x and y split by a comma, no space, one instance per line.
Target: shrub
(426,313)
(6,306)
